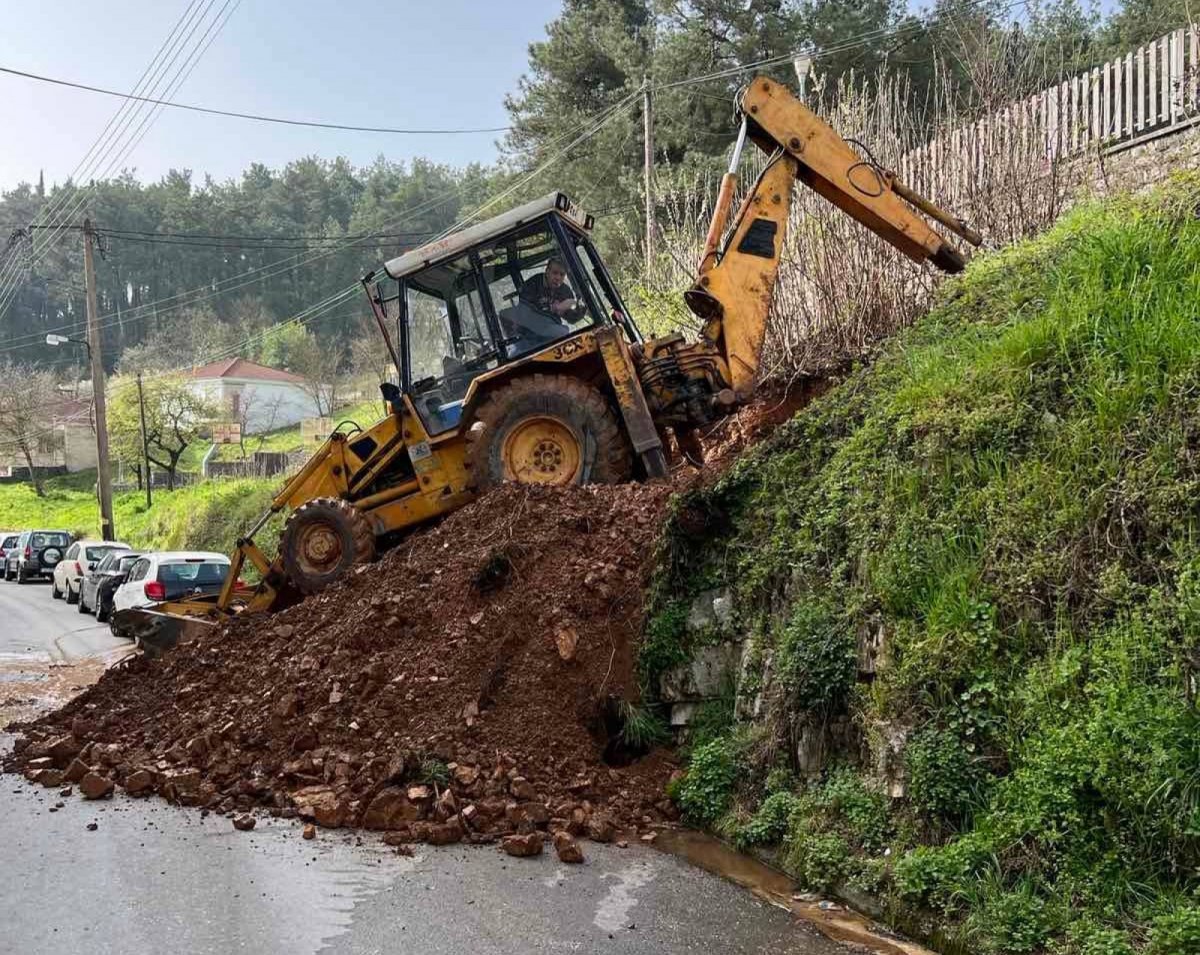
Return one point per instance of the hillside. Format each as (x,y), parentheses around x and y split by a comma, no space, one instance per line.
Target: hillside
(968,577)
(207,516)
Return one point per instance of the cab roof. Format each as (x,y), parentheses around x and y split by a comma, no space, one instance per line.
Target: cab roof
(556,202)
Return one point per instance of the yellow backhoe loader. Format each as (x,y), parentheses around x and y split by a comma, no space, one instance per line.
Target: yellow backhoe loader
(518,361)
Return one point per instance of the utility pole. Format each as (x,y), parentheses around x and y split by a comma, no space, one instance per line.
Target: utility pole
(145,444)
(103,473)
(648,138)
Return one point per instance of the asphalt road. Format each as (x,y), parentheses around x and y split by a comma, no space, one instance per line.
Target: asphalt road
(34,626)
(153,877)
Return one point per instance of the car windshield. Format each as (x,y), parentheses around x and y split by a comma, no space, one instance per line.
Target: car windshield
(95,553)
(110,560)
(196,572)
(10,541)
(127,561)
(49,539)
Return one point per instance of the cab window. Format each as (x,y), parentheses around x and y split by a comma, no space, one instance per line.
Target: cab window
(448,339)
(536,296)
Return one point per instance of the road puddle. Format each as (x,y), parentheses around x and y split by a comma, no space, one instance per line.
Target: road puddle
(31,687)
(831,919)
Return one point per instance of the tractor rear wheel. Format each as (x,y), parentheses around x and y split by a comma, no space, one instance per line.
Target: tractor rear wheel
(547,429)
(322,540)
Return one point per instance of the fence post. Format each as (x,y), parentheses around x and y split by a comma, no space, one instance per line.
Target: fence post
(1130,111)
(1176,92)
(1140,108)
(1193,62)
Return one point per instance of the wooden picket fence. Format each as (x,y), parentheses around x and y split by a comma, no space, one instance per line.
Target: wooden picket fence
(1149,92)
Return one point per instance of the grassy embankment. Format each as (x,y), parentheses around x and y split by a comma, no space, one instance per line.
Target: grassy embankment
(208,515)
(1010,498)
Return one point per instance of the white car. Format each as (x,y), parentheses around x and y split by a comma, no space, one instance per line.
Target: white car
(170,576)
(8,540)
(77,561)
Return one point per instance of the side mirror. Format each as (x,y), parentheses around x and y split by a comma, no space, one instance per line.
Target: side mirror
(91,565)
(390,391)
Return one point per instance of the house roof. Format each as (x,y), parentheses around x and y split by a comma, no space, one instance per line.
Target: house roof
(242,369)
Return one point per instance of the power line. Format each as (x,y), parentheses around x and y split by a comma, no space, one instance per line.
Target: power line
(257,117)
(117,126)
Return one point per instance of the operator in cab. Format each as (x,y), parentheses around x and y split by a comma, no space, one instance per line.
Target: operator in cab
(549,292)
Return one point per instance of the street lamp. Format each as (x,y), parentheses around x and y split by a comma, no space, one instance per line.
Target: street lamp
(63,340)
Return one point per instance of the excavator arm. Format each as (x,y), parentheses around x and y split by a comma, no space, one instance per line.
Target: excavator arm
(736,281)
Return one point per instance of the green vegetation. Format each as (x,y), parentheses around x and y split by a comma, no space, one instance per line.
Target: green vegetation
(208,516)
(1008,496)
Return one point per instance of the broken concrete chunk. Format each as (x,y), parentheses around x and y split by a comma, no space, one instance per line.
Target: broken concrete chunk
(244,822)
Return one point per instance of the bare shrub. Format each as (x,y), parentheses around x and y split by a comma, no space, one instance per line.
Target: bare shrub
(841,289)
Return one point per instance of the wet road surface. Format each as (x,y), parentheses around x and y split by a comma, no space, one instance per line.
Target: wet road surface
(154,877)
(34,626)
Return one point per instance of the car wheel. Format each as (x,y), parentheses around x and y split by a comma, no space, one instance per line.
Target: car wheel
(83,607)
(71,595)
(101,611)
(54,591)
(21,578)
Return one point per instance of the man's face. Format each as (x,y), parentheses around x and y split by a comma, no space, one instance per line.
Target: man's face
(555,274)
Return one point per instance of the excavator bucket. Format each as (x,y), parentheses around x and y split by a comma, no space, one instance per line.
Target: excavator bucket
(159,628)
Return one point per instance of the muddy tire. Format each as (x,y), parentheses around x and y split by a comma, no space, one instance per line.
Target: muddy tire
(322,540)
(547,429)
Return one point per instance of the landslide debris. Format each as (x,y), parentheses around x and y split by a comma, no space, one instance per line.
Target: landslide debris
(456,689)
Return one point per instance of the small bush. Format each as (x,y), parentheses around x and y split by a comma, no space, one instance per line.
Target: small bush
(818,860)
(770,823)
(943,778)
(1011,922)
(434,772)
(642,728)
(1176,934)
(706,791)
(816,656)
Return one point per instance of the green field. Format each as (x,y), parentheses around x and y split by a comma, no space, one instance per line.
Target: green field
(207,516)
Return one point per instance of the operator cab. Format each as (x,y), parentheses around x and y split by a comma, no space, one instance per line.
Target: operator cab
(490,295)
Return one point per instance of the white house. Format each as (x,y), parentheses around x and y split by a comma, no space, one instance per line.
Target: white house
(261,398)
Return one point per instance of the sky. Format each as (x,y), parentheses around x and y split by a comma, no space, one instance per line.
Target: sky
(401,63)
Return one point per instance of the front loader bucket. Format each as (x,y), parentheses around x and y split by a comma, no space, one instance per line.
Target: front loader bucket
(157,631)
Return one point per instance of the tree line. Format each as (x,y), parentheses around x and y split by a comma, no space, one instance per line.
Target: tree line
(193,267)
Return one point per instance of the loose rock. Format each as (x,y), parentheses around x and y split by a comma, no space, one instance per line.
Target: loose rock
(567,848)
(95,786)
(523,845)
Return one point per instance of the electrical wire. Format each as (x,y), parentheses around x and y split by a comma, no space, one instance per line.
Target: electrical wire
(119,123)
(171,47)
(55,203)
(257,117)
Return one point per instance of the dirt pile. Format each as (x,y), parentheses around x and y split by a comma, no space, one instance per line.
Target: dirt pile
(465,686)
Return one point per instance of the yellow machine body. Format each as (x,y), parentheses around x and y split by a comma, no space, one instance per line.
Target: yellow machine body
(396,475)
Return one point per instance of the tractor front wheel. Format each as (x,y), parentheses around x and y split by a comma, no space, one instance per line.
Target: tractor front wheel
(322,540)
(547,429)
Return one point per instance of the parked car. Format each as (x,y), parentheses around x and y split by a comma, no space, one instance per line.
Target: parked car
(154,578)
(101,582)
(79,559)
(36,555)
(8,540)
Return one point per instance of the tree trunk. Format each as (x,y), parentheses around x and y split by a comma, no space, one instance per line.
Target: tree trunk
(33,475)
